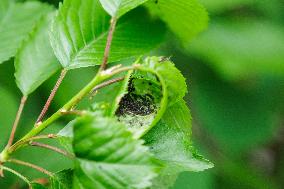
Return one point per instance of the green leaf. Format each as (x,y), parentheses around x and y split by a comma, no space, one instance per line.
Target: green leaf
(109,156)
(80,30)
(37,186)
(117,8)
(242,49)
(35,61)
(170,75)
(65,136)
(170,142)
(200,180)
(62,180)
(166,178)
(16,21)
(185,18)
(156,85)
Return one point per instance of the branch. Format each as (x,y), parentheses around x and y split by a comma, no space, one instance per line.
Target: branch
(46,146)
(74,112)
(51,96)
(16,173)
(22,142)
(17,120)
(100,77)
(109,82)
(108,44)
(40,169)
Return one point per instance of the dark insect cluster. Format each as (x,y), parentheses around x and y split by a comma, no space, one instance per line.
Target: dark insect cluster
(136,104)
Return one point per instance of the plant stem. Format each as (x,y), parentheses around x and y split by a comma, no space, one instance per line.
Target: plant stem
(23,142)
(51,96)
(108,44)
(40,169)
(53,148)
(74,112)
(77,98)
(17,120)
(16,173)
(109,82)
(100,77)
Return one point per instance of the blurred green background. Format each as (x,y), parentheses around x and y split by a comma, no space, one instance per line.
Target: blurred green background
(235,74)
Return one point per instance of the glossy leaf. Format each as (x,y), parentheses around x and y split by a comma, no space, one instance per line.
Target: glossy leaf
(62,180)
(117,8)
(65,136)
(170,140)
(185,18)
(109,157)
(80,29)
(35,61)
(16,21)
(156,85)
(171,76)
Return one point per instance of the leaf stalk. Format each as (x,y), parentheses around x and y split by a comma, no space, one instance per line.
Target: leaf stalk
(108,44)
(51,97)
(17,120)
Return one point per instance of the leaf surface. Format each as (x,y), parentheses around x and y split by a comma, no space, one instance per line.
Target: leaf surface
(185,18)
(117,8)
(37,186)
(62,180)
(170,142)
(109,157)
(80,30)
(141,103)
(35,61)
(16,21)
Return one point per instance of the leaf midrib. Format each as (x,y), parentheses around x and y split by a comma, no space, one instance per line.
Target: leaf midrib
(89,44)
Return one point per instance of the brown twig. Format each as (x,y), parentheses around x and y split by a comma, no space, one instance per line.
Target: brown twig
(109,82)
(108,44)
(51,96)
(40,169)
(53,148)
(17,120)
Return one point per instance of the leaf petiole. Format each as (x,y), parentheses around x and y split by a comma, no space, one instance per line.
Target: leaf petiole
(17,120)
(53,148)
(16,173)
(108,44)
(51,96)
(40,169)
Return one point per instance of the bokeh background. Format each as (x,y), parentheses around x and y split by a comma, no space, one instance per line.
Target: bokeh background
(235,74)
